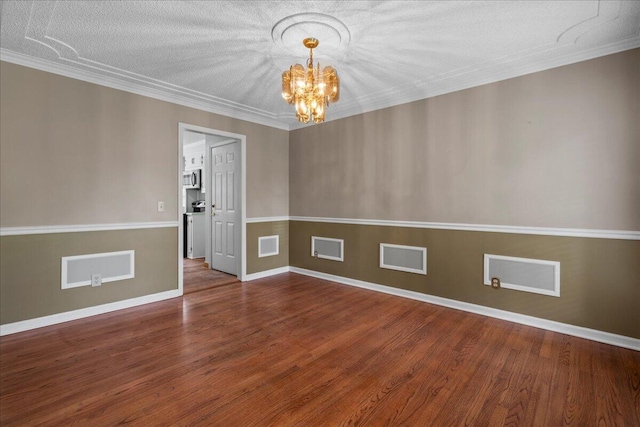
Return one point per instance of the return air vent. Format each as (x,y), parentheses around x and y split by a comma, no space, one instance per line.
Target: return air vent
(327,248)
(268,246)
(77,270)
(410,259)
(523,274)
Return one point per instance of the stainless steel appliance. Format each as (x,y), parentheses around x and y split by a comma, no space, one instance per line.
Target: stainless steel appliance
(198,206)
(194,235)
(191,179)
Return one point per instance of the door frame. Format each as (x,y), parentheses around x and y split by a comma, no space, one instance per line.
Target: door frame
(182,127)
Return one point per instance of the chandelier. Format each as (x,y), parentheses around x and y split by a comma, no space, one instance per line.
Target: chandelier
(310,90)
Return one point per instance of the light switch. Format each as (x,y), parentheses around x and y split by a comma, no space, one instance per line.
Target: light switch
(160,206)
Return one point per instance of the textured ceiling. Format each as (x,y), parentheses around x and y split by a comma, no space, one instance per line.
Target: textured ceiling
(228,57)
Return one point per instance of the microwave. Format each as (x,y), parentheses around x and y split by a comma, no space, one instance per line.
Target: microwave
(191,179)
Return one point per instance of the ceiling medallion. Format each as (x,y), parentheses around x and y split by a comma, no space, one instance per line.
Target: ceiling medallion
(288,32)
(310,90)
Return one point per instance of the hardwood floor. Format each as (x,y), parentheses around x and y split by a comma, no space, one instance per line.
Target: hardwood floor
(290,350)
(196,277)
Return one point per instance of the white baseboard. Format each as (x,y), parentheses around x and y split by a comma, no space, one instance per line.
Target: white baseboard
(578,331)
(564,328)
(25,325)
(266,273)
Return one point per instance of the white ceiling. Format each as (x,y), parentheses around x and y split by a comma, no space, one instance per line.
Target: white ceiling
(228,56)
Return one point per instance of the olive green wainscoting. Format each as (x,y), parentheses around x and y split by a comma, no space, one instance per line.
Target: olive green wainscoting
(255,230)
(599,278)
(30,270)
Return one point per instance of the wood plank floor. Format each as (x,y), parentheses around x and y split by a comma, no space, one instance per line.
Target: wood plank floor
(290,350)
(196,277)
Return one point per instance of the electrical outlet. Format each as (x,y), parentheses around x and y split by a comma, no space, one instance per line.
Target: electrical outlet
(495,283)
(160,206)
(96,279)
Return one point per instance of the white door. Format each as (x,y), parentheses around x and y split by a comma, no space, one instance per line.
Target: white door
(225,210)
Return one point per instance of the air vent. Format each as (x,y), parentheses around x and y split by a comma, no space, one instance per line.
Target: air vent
(327,248)
(77,270)
(410,259)
(523,274)
(268,246)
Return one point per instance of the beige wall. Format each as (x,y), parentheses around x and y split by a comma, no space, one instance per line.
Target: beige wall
(256,264)
(268,175)
(30,270)
(599,278)
(74,153)
(79,153)
(558,148)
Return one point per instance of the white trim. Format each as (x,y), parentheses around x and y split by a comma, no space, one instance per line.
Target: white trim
(578,331)
(266,254)
(550,325)
(483,74)
(266,273)
(39,322)
(48,229)
(556,275)
(468,78)
(243,204)
(333,258)
(155,90)
(179,212)
(233,137)
(267,219)
(542,231)
(65,263)
(423,270)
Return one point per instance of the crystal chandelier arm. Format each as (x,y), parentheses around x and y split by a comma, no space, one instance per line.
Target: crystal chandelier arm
(287,93)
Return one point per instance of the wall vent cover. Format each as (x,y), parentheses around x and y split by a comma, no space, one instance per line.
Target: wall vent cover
(268,246)
(327,248)
(410,259)
(523,274)
(112,266)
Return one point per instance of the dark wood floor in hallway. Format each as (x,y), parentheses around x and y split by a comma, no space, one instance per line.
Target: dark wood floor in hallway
(290,350)
(197,277)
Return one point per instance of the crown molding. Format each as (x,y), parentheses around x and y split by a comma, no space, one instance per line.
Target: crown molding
(173,95)
(508,68)
(484,74)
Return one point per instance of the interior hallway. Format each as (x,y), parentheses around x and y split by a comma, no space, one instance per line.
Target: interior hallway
(197,277)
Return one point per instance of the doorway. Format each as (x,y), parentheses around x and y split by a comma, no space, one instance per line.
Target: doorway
(225,227)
